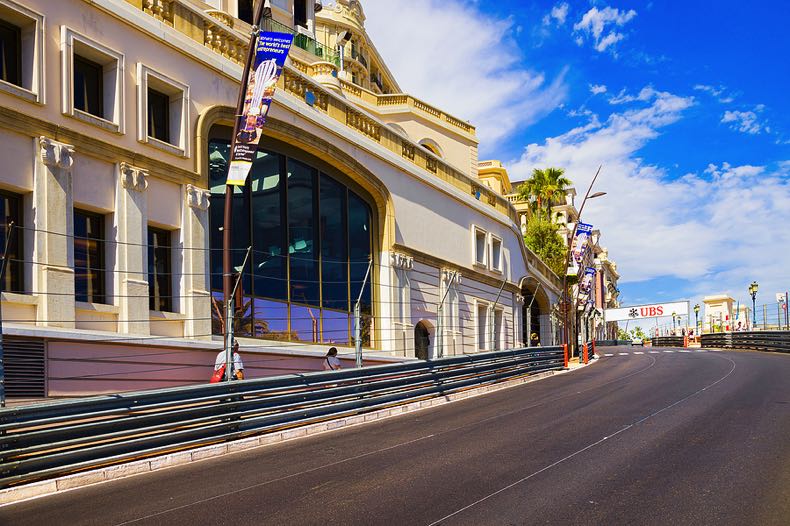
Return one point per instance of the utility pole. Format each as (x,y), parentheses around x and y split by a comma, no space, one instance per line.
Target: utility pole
(358,318)
(229,319)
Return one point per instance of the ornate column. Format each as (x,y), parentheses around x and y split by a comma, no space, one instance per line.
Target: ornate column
(195,275)
(400,317)
(53,219)
(131,263)
(518,320)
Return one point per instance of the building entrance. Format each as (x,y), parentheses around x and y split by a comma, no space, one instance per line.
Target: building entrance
(422,341)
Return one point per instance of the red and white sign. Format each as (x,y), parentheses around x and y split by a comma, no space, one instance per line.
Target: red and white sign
(657,310)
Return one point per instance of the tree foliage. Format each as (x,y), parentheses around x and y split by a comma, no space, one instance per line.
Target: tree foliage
(544,189)
(543,239)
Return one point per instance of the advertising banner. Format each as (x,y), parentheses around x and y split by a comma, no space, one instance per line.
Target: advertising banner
(657,310)
(585,285)
(271,50)
(579,246)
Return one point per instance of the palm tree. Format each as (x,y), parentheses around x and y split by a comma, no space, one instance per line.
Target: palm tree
(544,189)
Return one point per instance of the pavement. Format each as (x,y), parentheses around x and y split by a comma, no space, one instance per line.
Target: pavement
(643,436)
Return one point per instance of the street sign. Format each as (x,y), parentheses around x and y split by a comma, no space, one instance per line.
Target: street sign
(656,310)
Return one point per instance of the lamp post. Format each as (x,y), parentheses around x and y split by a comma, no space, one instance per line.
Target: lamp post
(753,293)
(565,295)
(696,318)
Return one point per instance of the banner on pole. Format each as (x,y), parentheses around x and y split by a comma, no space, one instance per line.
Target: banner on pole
(579,246)
(271,50)
(585,285)
(657,310)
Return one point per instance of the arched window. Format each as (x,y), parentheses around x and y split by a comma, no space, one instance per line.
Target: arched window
(311,238)
(432,146)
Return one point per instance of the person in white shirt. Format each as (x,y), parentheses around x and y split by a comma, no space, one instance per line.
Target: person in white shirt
(238,365)
(331,361)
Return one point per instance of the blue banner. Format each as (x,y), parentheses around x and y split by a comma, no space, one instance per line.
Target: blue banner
(585,285)
(579,246)
(271,50)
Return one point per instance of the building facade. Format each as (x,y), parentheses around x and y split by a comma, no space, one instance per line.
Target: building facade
(116,116)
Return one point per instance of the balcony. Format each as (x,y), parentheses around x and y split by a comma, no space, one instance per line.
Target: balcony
(304,42)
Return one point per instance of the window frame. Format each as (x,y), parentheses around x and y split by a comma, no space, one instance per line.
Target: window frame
(113,67)
(15,267)
(99,297)
(481,305)
(493,239)
(31,51)
(179,114)
(160,302)
(477,262)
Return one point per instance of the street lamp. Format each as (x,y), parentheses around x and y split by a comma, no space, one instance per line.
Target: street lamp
(565,298)
(696,318)
(753,293)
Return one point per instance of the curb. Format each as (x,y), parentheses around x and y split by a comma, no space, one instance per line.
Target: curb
(58,485)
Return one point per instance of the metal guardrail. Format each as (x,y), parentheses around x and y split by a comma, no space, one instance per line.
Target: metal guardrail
(775,341)
(612,343)
(48,440)
(668,341)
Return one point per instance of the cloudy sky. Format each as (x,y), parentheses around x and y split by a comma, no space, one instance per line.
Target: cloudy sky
(684,104)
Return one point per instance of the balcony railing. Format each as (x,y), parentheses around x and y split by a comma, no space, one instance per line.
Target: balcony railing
(304,42)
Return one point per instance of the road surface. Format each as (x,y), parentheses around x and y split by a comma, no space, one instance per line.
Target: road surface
(643,436)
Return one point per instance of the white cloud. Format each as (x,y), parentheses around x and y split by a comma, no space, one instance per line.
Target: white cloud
(717,228)
(597,89)
(599,25)
(455,55)
(718,93)
(559,13)
(744,121)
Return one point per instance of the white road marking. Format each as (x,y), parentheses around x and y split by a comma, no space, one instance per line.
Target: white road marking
(684,351)
(669,351)
(623,354)
(638,352)
(654,352)
(608,354)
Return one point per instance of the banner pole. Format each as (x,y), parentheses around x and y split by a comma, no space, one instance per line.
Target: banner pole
(227,260)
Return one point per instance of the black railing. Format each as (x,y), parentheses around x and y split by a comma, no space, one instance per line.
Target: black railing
(47,440)
(774,341)
(668,341)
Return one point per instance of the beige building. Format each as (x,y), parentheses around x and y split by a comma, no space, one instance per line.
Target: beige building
(115,123)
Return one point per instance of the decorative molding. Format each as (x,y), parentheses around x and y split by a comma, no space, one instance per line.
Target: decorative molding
(56,154)
(519,299)
(197,197)
(447,275)
(402,261)
(133,178)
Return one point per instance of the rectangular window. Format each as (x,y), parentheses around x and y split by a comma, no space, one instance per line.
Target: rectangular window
(89,257)
(160,270)
(11,210)
(496,254)
(158,115)
(93,78)
(10,53)
(300,13)
(480,247)
(482,326)
(163,111)
(88,87)
(498,320)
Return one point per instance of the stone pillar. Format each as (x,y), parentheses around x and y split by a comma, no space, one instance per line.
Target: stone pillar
(195,279)
(131,254)
(53,219)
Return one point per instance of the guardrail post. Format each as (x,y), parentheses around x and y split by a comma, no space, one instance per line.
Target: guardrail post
(565,354)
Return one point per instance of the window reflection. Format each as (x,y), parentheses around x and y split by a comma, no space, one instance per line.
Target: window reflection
(311,239)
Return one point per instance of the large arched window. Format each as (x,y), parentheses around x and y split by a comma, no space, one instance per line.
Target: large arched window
(311,246)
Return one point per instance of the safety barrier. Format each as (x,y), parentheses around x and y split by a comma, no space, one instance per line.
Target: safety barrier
(48,440)
(776,341)
(668,341)
(612,343)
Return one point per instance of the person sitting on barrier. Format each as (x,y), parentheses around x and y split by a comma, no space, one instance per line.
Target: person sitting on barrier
(535,339)
(331,361)
(238,365)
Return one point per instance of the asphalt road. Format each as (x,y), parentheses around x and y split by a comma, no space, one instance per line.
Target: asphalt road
(649,438)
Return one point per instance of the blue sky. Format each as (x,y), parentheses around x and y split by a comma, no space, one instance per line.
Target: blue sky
(685,104)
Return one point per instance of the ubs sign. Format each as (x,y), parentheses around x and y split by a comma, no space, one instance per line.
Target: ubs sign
(658,310)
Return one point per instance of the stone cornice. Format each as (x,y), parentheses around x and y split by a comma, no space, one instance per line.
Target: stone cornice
(133,178)
(197,197)
(56,154)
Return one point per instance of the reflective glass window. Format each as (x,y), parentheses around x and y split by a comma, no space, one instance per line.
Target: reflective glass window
(270,255)
(335,327)
(305,323)
(302,239)
(88,257)
(334,249)
(160,273)
(11,211)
